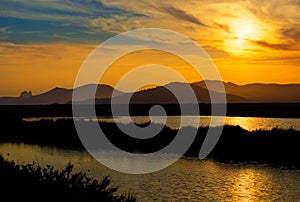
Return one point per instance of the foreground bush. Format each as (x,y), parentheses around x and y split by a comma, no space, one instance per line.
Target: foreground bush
(31,182)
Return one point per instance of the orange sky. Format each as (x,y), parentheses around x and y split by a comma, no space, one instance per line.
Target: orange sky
(40,67)
(258,42)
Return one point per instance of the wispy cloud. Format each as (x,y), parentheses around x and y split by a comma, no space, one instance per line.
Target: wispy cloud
(291,33)
(4,30)
(181,14)
(92,19)
(73,20)
(279,46)
(117,23)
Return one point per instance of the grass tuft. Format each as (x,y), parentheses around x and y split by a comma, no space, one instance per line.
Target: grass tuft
(31,182)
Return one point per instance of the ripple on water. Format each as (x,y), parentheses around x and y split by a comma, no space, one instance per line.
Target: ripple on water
(186,180)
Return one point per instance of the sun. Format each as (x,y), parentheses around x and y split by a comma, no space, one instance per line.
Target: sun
(243,32)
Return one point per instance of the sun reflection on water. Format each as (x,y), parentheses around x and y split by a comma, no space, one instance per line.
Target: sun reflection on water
(189,179)
(248,123)
(245,187)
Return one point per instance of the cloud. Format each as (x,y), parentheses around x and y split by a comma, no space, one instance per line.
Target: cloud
(279,46)
(210,23)
(4,30)
(117,23)
(282,15)
(181,15)
(276,46)
(292,33)
(59,20)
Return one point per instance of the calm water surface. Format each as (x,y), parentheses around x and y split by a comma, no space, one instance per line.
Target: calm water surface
(248,123)
(187,179)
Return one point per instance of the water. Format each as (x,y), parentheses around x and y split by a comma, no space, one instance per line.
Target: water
(186,180)
(248,123)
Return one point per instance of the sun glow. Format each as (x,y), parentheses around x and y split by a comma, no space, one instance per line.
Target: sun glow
(242,34)
(244,29)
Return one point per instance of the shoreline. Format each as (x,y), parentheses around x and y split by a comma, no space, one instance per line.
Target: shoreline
(267,110)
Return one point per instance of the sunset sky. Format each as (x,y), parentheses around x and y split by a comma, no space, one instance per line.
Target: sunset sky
(44,42)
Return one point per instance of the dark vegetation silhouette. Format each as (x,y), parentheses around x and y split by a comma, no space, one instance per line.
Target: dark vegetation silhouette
(32,182)
(276,146)
(274,110)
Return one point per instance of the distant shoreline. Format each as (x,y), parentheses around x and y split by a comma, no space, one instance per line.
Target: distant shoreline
(268,110)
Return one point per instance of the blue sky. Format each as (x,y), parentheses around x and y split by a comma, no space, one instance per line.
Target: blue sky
(58,21)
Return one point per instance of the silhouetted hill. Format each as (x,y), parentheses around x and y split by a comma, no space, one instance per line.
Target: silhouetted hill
(258,92)
(250,93)
(58,95)
(162,95)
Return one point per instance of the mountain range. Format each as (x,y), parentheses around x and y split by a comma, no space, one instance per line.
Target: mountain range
(249,93)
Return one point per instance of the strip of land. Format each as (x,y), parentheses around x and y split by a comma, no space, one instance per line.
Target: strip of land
(275,147)
(272,110)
